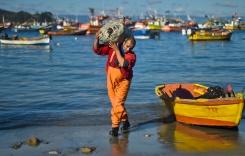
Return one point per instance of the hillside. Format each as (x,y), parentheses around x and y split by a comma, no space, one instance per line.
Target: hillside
(22,16)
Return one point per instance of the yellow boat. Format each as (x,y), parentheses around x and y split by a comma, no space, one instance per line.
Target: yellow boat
(231,27)
(183,102)
(209,35)
(154,27)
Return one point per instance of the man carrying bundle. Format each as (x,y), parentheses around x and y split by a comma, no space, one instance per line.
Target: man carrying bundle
(119,69)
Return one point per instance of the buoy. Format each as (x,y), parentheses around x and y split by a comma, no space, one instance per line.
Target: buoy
(183,31)
(189,31)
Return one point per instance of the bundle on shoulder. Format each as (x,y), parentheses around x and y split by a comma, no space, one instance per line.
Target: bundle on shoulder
(114,31)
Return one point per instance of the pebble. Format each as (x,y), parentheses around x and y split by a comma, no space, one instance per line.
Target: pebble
(53,152)
(147,135)
(17,145)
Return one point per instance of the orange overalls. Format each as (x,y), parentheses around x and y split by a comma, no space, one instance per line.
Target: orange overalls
(118,82)
(118,88)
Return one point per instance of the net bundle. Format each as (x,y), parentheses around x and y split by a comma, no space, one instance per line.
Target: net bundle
(114,31)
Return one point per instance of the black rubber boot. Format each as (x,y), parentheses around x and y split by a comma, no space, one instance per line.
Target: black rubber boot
(125,126)
(114,132)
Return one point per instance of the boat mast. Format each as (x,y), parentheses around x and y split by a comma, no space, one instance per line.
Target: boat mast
(3,21)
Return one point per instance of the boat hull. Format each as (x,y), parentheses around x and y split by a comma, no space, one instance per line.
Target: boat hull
(93,29)
(41,41)
(187,109)
(67,33)
(209,36)
(146,34)
(141,33)
(209,112)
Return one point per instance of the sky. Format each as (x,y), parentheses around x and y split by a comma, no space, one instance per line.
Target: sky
(129,7)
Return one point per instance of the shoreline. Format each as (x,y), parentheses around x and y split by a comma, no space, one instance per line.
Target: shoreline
(150,138)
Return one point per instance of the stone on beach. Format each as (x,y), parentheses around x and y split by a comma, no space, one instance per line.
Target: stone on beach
(17,145)
(33,141)
(54,152)
(147,135)
(87,150)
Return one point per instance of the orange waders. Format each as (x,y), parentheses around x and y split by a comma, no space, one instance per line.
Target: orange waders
(118,88)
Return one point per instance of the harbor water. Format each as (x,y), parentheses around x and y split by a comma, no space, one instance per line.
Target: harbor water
(64,83)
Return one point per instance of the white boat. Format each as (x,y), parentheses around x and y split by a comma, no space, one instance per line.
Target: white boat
(26,41)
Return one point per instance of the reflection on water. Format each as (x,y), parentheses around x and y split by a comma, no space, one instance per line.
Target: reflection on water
(186,138)
(119,145)
(45,48)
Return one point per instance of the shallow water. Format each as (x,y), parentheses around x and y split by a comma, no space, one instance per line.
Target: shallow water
(64,83)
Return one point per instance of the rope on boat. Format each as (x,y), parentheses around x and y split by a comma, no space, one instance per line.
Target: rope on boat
(158,91)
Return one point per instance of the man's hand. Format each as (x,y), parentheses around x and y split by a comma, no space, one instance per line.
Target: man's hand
(113,45)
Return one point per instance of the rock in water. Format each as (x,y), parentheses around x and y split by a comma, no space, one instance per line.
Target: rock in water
(114,31)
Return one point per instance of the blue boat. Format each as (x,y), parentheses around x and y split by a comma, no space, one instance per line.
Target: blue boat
(142,33)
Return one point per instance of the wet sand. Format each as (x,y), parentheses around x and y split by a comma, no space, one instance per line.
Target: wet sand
(146,139)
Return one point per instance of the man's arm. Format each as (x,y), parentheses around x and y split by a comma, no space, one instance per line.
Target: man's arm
(120,58)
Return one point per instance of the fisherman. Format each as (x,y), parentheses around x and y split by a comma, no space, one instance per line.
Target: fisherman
(120,62)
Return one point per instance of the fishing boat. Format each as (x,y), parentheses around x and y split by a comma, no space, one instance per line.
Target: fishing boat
(171,28)
(67,32)
(95,22)
(25,41)
(154,24)
(186,102)
(172,25)
(141,33)
(209,35)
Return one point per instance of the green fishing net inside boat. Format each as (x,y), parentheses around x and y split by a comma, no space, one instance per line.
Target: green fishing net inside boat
(114,31)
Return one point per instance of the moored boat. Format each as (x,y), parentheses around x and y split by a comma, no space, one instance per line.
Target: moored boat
(93,29)
(142,31)
(187,104)
(26,41)
(141,34)
(172,28)
(67,32)
(209,34)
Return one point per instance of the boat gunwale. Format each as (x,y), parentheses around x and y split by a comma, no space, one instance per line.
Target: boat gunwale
(210,102)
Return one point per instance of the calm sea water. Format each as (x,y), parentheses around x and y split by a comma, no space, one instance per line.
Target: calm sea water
(64,83)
